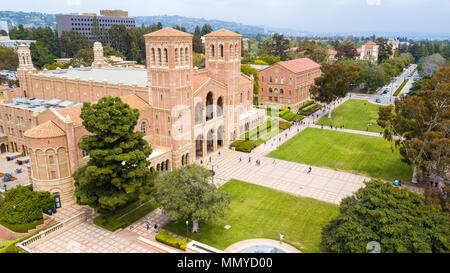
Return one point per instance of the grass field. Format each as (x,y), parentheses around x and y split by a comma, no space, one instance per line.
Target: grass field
(353,114)
(366,155)
(260,212)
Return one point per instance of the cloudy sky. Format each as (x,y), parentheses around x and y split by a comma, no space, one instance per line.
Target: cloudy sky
(308,15)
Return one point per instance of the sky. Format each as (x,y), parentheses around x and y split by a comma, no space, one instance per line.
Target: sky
(304,15)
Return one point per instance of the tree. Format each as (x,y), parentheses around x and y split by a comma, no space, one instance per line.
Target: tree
(97,34)
(384,49)
(420,123)
(206,29)
(20,33)
(440,80)
(8,58)
(371,75)
(40,55)
(396,218)
(118,169)
(49,39)
(248,70)
(197,45)
(334,82)
(120,39)
(187,194)
(72,42)
(428,66)
(270,60)
(346,50)
(198,60)
(84,56)
(22,205)
(275,46)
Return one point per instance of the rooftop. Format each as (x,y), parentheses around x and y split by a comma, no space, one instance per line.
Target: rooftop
(112,75)
(45,130)
(34,104)
(300,65)
(223,32)
(168,31)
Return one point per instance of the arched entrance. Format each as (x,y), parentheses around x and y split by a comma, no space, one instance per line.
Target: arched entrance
(220,136)
(3,148)
(219,107)
(199,146)
(210,141)
(209,106)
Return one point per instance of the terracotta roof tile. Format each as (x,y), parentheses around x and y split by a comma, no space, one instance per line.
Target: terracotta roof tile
(74,113)
(45,130)
(135,102)
(299,65)
(371,43)
(332,52)
(358,50)
(223,32)
(168,31)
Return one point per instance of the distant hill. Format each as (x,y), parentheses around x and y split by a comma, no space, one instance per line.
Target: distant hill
(28,19)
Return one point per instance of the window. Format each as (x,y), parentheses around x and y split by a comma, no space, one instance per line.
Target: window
(143,127)
(276,91)
(289,100)
(281,91)
(282,80)
(84,153)
(290,92)
(281,99)
(270,79)
(221,51)
(290,81)
(276,98)
(262,90)
(276,79)
(51,160)
(270,98)
(53,174)
(262,79)
(241,98)
(212,50)
(270,90)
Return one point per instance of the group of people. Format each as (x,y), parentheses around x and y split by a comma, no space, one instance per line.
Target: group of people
(147,224)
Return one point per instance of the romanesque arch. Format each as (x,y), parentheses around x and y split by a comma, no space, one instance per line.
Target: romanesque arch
(199,146)
(219,106)
(198,113)
(209,106)
(210,141)
(220,136)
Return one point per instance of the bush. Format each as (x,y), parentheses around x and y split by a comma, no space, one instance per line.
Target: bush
(22,228)
(306,104)
(244,145)
(165,238)
(401,87)
(284,125)
(308,110)
(22,205)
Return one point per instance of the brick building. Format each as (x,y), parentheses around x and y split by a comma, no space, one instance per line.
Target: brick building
(286,84)
(185,113)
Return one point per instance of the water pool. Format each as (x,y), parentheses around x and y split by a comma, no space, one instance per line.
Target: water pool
(262,249)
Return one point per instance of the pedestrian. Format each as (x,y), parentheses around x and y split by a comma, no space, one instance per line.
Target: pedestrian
(436,183)
(274,162)
(298,130)
(201,162)
(240,159)
(147,224)
(285,135)
(209,159)
(219,153)
(156,228)
(281,238)
(367,129)
(431,183)
(249,159)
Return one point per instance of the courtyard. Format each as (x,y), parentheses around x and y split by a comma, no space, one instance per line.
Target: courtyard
(356,153)
(261,212)
(354,114)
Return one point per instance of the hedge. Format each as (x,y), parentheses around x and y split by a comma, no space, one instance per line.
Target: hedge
(284,125)
(310,109)
(306,104)
(165,238)
(401,87)
(244,145)
(22,228)
(291,116)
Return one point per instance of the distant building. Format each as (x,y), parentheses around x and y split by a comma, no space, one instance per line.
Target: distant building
(83,23)
(15,43)
(369,51)
(287,84)
(4,26)
(332,55)
(394,45)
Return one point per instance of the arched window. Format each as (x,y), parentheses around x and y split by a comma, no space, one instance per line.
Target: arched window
(198,113)
(143,127)
(159,56)
(221,51)
(282,80)
(248,95)
(231,51)
(153,56)
(186,55)
(219,106)
(276,91)
(181,56)
(281,91)
(212,51)
(270,79)
(240,98)
(270,90)
(237,50)
(176,56)
(166,56)
(209,106)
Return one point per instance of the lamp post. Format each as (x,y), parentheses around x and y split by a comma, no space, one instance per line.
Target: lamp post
(187,231)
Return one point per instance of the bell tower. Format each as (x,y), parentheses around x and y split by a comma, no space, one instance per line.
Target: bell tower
(170,82)
(99,60)
(25,67)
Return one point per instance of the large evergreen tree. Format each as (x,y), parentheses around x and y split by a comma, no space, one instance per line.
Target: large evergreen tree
(118,169)
(197,45)
(398,219)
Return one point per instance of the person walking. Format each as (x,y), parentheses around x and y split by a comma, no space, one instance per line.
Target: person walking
(281,238)
(156,228)
(147,224)
(219,153)
(249,159)
(309,170)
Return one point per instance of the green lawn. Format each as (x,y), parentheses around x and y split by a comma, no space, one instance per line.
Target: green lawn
(366,155)
(260,212)
(353,114)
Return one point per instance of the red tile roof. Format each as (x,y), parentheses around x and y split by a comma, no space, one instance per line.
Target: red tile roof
(371,43)
(358,50)
(74,113)
(168,31)
(332,52)
(45,130)
(135,102)
(223,32)
(299,65)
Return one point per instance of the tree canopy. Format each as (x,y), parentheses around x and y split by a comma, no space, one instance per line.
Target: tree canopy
(334,81)
(22,205)
(395,217)
(187,194)
(421,124)
(118,169)
(8,58)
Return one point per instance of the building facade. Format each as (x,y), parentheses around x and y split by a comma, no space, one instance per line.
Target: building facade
(286,84)
(83,23)
(185,113)
(369,51)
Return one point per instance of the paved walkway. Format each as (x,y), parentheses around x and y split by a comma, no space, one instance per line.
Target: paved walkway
(322,183)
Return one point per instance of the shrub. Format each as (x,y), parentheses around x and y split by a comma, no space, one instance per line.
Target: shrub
(308,110)
(22,228)
(165,238)
(307,104)
(284,125)
(400,87)
(244,145)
